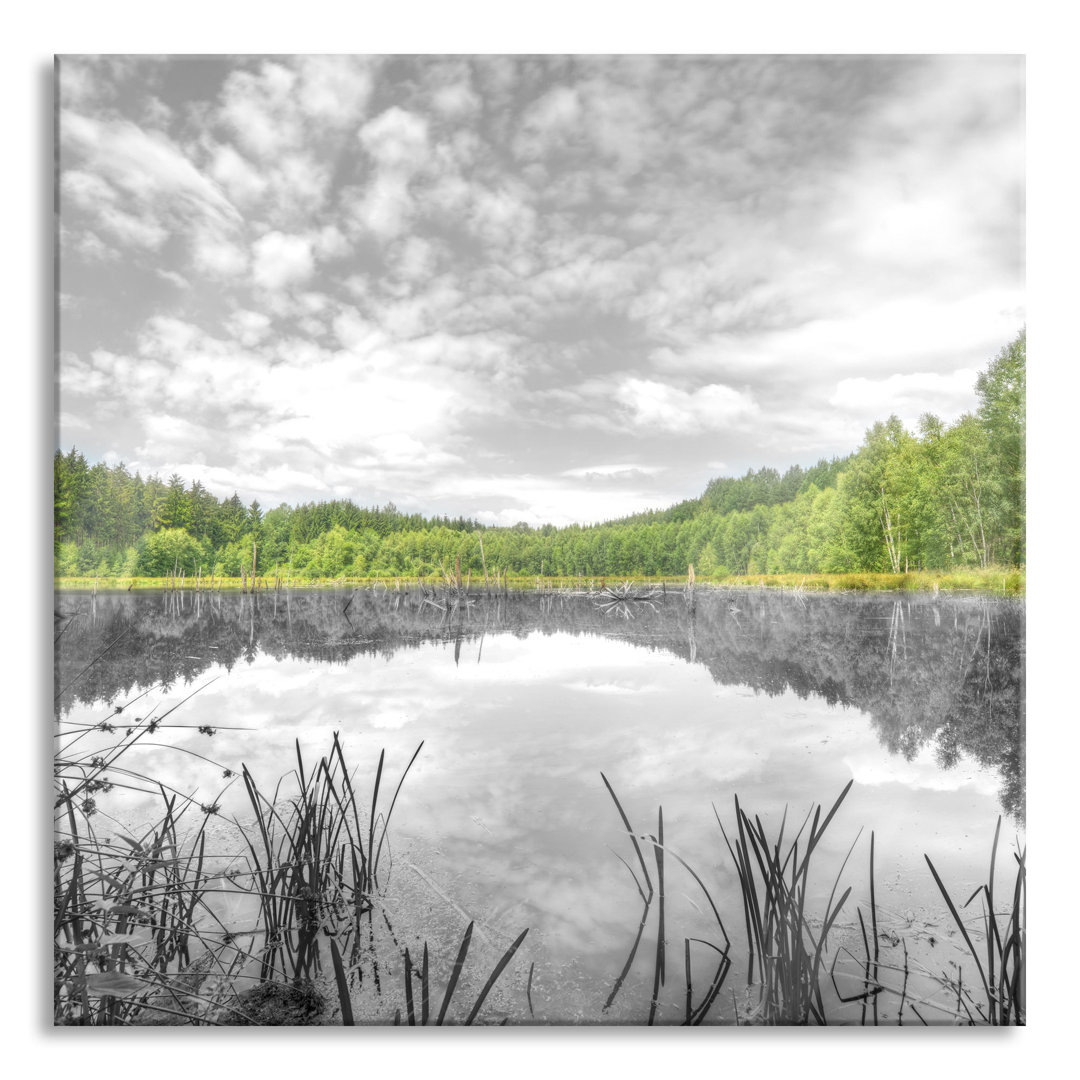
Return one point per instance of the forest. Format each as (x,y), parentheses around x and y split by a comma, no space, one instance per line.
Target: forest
(944,497)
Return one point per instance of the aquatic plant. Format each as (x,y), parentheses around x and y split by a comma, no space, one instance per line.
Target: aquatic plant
(136,935)
(309,866)
(1004,976)
(131,925)
(695,1014)
(1001,978)
(128,917)
(785,953)
(423,973)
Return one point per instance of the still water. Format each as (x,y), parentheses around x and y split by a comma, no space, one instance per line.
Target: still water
(522,701)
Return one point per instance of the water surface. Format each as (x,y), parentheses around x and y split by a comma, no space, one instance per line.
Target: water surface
(523,700)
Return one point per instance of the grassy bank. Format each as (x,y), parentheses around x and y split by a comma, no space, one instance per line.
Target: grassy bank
(1001,581)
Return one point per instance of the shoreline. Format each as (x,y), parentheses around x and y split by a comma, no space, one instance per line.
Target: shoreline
(999,581)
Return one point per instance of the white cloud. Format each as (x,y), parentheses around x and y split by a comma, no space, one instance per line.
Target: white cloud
(334,90)
(256,107)
(173,278)
(620,472)
(90,246)
(397,140)
(216,256)
(330,243)
(143,232)
(908,396)
(146,165)
(243,182)
(547,120)
(281,260)
(249,327)
(456,100)
(71,422)
(85,189)
(356,333)
(386,207)
(651,404)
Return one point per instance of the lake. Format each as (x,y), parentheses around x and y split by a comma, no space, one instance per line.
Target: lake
(522,700)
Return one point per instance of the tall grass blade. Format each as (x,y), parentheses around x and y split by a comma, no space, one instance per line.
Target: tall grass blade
(658,848)
(393,802)
(959,923)
(342,986)
(493,977)
(408,990)
(455,973)
(371,820)
(424,995)
(630,830)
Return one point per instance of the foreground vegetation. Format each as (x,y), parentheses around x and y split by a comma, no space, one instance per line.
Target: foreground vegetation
(947,498)
(788,942)
(138,937)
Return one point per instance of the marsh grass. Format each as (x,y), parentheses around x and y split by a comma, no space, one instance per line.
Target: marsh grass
(421,1017)
(310,868)
(1007,581)
(785,954)
(996,998)
(1004,581)
(694,1014)
(788,943)
(137,937)
(1003,976)
(127,919)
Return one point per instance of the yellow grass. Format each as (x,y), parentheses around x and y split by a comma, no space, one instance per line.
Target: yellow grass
(1007,581)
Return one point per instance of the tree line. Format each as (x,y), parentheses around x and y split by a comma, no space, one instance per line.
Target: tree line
(941,497)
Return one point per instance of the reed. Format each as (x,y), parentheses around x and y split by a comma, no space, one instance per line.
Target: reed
(695,1014)
(424,976)
(309,866)
(785,954)
(1003,977)
(136,936)
(133,933)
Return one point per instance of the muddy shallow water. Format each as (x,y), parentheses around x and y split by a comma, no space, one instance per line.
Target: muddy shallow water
(521,702)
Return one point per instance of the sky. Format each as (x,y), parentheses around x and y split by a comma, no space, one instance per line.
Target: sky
(514,288)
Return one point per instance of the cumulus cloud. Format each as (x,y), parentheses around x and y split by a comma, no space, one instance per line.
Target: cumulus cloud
(397,140)
(456,100)
(280,260)
(216,256)
(237,175)
(386,207)
(256,106)
(249,327)
(335,90)
(651,404)
(907,395)
(550,119)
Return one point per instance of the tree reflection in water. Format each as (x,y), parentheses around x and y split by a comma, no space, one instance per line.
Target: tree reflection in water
(946,670)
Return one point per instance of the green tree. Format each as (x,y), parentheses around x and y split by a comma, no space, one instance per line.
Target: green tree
(163,552)
(1002,393)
